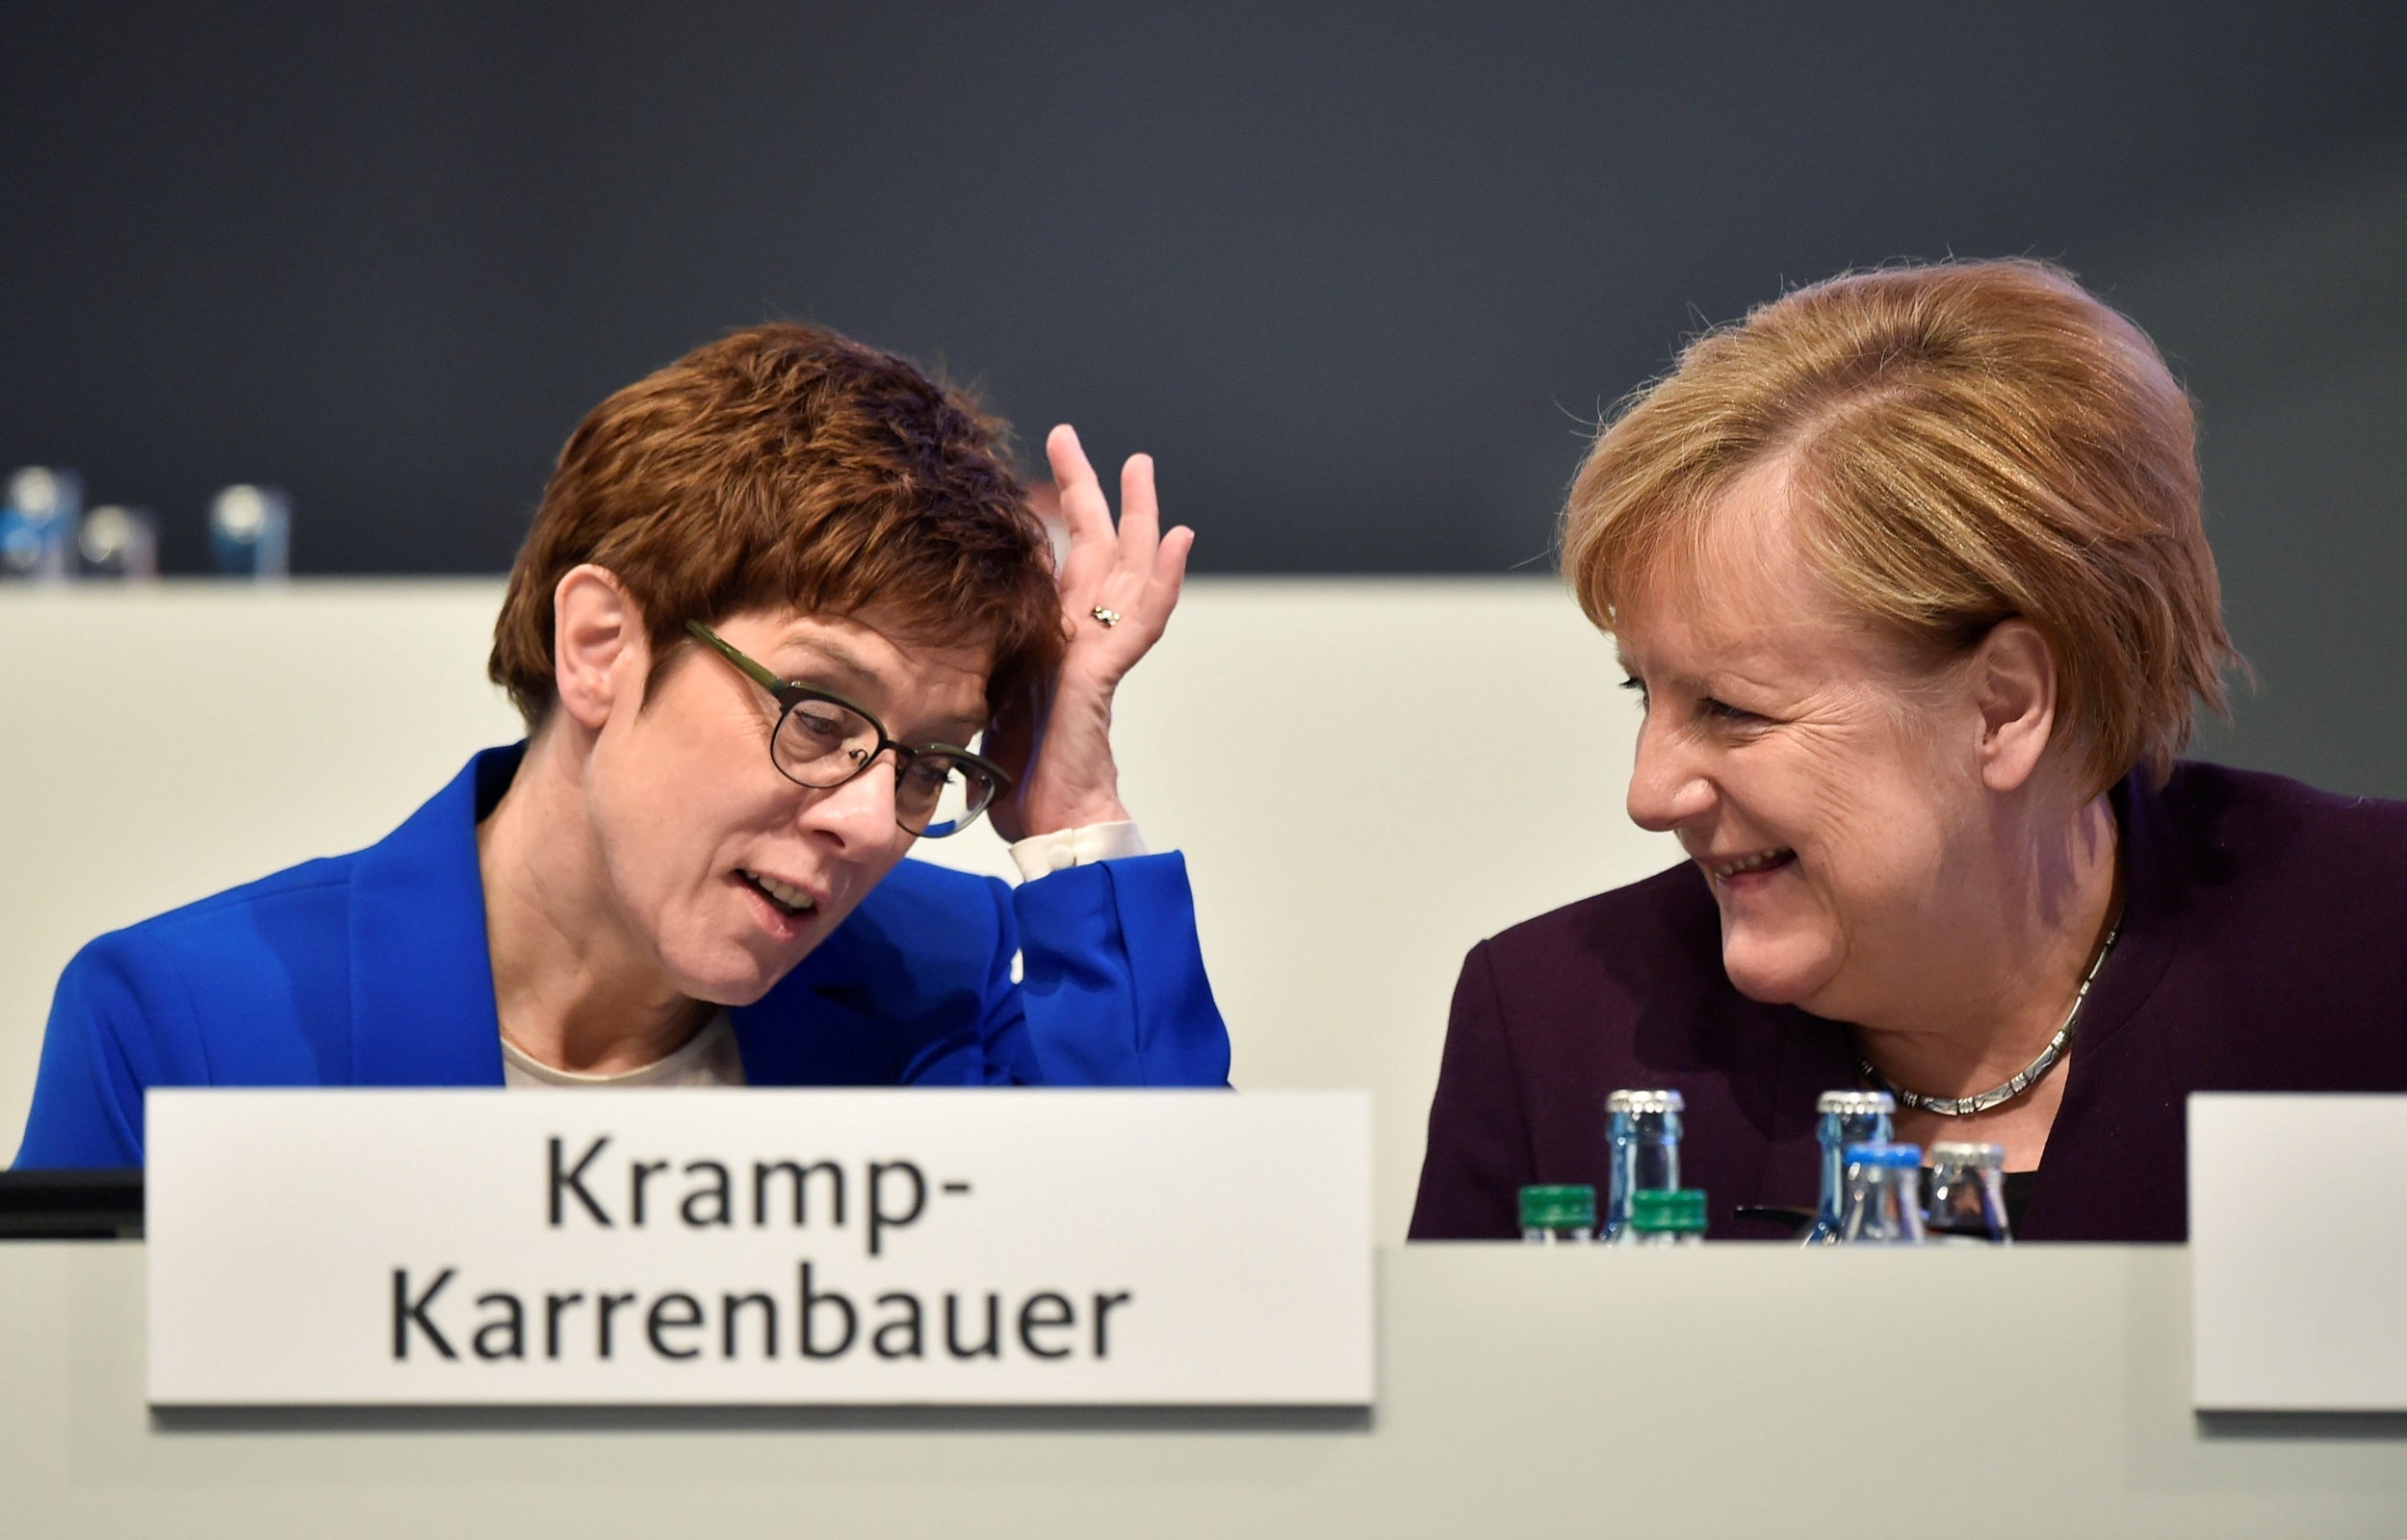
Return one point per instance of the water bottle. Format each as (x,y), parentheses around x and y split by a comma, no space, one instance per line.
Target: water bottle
(119,543)
(1968,1194)
(1884,1196)
(1847,1117)
(1666,1217)
(38,524)
(1642,1140)
(250,533)
(1558,1216)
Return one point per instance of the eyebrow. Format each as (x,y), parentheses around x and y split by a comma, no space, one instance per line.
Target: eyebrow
(838,652)
(954,732)
(1705,684)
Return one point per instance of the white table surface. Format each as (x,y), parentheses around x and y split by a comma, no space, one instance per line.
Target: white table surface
(1732,1390)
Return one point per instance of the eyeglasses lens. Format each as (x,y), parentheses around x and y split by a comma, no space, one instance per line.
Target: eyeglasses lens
(822,744)
(938,794)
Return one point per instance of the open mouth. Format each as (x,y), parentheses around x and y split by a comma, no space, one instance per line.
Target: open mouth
(788,900)
(1761,861)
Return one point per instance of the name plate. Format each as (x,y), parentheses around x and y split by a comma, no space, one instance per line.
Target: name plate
(2299,1252)
(759,1247)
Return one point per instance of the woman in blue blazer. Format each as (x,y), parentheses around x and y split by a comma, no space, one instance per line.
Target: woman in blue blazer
(773,594)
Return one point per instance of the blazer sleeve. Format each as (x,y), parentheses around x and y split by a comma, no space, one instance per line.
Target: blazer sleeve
(1478,1157)
(121,1019)
(1112,984)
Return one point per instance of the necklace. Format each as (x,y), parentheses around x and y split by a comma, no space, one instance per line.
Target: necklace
(2024,1078)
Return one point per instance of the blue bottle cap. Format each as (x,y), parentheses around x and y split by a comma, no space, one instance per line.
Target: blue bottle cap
(1909,1156)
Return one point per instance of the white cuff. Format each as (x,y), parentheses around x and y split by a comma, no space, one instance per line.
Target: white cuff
(1042,855)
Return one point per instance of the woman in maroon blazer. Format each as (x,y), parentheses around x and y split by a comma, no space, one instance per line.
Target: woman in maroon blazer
(1908,573)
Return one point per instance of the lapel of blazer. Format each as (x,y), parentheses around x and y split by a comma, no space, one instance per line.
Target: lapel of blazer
(2114,1161)
(422,977)
(1815,1056)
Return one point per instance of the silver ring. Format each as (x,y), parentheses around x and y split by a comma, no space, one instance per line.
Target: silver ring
(1109,617)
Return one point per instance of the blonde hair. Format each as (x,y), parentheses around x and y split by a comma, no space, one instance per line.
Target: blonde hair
(1973,441)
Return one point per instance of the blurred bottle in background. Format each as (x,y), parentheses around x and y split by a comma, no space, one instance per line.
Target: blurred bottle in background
(38,524)
(119,543)
(1558,1216)
(1968,1194)
(1846,1118)
(1642,1145)
(250,533)
(1884,1196)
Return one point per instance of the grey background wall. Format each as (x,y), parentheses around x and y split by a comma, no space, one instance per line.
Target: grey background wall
(1357,273)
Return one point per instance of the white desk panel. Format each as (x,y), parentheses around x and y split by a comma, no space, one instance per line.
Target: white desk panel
(1729,1391)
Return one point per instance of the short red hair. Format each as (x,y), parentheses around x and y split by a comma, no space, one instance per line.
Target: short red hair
(784,465)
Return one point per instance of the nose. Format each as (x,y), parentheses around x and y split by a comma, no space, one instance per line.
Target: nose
(858,815)
(1668,785)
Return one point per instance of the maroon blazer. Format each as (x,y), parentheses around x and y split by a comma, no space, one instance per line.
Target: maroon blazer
(2264,948)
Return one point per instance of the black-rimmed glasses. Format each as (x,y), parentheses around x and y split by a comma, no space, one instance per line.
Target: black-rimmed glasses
(822,740)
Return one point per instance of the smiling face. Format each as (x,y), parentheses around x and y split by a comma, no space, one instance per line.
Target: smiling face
(1827,781)
(722,869)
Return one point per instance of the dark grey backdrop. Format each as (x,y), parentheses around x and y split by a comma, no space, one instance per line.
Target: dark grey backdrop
(1358,274)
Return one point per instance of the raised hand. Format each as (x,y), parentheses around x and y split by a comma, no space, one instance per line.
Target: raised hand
(1118,589)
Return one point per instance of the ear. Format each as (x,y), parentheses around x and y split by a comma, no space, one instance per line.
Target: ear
(2012,673)
(599,651)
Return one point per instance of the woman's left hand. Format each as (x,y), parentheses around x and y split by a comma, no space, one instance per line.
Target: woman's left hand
(1118,588)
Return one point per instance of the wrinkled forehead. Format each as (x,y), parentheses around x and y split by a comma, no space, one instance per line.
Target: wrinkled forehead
(879,653)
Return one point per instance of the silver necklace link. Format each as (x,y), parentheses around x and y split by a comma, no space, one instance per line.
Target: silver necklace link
(2023,1079)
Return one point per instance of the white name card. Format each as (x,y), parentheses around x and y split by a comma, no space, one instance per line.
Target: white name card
(2299,1252)
(723,1247)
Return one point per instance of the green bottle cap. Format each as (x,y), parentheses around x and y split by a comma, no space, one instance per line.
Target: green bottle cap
(1681,1209)
(1558,1208)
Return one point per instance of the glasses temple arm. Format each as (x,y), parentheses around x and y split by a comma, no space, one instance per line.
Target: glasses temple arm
(753,671)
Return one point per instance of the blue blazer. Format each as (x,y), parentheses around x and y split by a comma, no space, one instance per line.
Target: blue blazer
(371,969)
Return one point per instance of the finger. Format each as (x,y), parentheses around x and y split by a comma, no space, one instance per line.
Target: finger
(1169,576)
(1140,515)
(1082,506)
(1085,516)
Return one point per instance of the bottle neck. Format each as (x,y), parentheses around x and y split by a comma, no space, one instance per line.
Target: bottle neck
(1837,1131)
(1968,1201)
(1883,1204)
(1646,1150)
